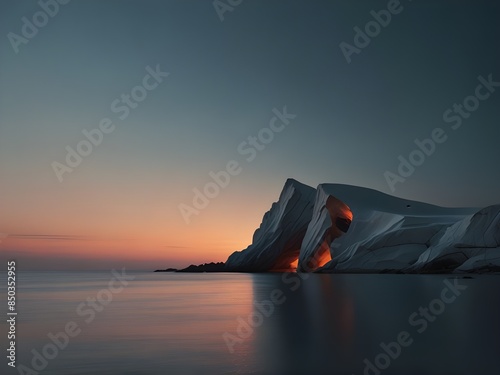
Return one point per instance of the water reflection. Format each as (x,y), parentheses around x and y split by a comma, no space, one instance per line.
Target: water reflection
(326,324)
(330,324)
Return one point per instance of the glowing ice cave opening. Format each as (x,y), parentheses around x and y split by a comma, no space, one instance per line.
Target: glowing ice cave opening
(341,218)
(287,262)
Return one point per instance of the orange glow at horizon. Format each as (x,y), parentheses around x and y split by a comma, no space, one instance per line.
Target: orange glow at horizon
(154,249)
(152,244)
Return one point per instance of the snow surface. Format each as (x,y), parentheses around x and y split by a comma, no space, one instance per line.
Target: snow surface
(387,234)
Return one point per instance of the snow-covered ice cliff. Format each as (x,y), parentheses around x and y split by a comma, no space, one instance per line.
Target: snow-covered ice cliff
(343,228)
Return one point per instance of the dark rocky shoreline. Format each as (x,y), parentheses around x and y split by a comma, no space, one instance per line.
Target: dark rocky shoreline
(205,267)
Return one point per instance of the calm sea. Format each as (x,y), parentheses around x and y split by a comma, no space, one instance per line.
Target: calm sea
(164,323)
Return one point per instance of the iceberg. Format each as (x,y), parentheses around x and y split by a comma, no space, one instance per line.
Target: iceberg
(344,228)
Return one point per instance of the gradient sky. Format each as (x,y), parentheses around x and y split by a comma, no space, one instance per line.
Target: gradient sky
(120,206)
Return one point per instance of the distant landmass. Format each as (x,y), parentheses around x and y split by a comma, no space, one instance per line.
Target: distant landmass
(168,270)
(205,267)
